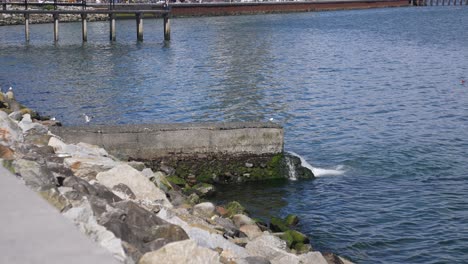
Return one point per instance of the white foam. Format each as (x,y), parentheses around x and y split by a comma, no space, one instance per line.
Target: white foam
(319,172)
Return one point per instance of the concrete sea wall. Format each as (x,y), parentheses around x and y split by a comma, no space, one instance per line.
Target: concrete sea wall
(151,142)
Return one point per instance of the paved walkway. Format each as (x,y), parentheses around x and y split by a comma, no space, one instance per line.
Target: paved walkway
(32,231)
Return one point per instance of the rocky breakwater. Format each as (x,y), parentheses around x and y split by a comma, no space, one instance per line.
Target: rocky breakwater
(18,19)
(135,212)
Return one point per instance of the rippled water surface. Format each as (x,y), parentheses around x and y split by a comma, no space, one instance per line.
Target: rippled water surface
(374,93)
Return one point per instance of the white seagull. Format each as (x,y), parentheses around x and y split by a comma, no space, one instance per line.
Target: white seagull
(87,118)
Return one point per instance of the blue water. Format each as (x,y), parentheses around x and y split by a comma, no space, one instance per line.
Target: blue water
(376,94)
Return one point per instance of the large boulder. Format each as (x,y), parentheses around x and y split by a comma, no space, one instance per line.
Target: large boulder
(293,237)
(89,167)
(142,229)
(205,209)
(35,175)
(83,217)
(141,187)
(10,132)
(186,251)
(78,150)
(278,225)
(252,231)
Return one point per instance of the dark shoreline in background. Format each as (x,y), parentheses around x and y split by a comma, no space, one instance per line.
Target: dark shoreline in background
(222,9)
(217,9)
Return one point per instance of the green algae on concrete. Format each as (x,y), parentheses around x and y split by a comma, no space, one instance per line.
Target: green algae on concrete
(228,169)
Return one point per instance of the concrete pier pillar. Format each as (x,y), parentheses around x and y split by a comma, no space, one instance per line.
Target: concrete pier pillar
(112,27)
(167,28)
(84,27)
(56,29)
(26,27)
(443,2)
(139,23)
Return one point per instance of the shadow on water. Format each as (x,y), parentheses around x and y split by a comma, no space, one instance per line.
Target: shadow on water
(261,199)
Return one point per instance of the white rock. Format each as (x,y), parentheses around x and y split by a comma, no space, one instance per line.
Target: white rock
(83,217)
(147,172)
(143,188)
(203,237)
(10,132)
(206,209)
(240,220)
(89,167)
(27,124)
(80,150)
(186,251)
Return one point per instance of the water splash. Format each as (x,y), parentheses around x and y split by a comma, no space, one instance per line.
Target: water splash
(292,173)
(319,172)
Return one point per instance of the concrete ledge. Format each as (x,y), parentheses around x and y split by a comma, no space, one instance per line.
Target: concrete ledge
(150,142)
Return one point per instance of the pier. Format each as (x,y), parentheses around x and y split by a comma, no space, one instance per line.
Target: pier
(160,10)
(439,2)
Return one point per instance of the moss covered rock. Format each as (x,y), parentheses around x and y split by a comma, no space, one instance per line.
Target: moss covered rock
(278,225)
(291,220)
(176,180)
(234,208)
(295,240)
(302,248)
(204,189)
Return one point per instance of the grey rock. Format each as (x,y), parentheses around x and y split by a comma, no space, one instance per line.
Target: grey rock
(252,231)
(193,198)
(139,227)
(176,198)
(79,185)
(84,218)
(16,115)
(206,209)
(123,191)
(241,219)
(204,189)
(137,165)
(169,171)
(36,176)
(229,227)
(253,260)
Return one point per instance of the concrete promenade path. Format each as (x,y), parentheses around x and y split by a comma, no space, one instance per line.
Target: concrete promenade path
(32,231)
